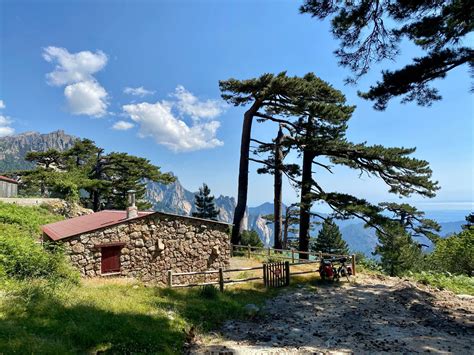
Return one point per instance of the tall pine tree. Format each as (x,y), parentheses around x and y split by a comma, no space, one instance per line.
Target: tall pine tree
(330,240)
(205,206)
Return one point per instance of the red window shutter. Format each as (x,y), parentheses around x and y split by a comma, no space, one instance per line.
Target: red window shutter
(110,259)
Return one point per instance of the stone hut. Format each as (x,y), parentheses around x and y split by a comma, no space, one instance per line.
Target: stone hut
(142,245)
(8,187)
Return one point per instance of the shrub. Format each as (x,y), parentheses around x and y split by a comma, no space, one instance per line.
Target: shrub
(454,254)
(29,219)
(455,283)
(21,257)
(251,238)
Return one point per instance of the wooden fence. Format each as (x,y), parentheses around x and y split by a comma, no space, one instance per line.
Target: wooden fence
(222,274)
(286,254)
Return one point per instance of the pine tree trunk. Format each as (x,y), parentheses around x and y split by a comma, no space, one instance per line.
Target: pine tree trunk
(285,235)
(239,212)
(306,202)
(277,201)
(95,201)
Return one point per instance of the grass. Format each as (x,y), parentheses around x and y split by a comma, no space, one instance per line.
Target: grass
(115,317)
(458,284)
(29,219)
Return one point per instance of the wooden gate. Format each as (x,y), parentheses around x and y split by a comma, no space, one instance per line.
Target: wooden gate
(276,274)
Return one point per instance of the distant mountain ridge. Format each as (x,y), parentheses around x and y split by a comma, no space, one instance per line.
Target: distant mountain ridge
(13,149)
(176,199)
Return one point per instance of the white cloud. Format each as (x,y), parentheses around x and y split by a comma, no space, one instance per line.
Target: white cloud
(84,94)
(157,121)
(189,104)
(5,129)
(86,98)
(4,120)
(122,126)
(140,91)
(73,67)
(2,105)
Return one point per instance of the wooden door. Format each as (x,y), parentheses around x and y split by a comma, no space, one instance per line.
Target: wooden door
(110,259)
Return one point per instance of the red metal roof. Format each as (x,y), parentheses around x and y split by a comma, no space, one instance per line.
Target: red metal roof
(4,178)
(79,225)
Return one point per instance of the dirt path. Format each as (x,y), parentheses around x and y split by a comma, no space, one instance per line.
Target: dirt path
(372,315)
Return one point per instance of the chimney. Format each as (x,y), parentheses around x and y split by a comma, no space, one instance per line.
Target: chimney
(132,210)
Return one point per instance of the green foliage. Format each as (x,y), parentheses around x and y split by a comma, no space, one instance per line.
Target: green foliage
(399,253)
(469,222)
(329,240)
(367,264)
(459,284)
(105,178)
(370,32)
(21,254)
(22,257)
(26,219)
(205,205)
(251,238)
(454,254)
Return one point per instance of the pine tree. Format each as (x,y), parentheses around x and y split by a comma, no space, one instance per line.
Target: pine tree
(399,225)
(315,116)
(105,177)
(267,95)
(318,134)
(330,240)
(251,238)
(370,31)
(205,206)
(469,222)
(398,252)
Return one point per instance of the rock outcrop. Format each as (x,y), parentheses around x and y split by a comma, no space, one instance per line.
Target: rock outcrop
(14,148)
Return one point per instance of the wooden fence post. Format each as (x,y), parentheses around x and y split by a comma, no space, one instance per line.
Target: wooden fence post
(269,251)
(353,257)
(248,249)
(221,279)
(292,256)
(170,278)
(287,271)
(265,275)
(320,255)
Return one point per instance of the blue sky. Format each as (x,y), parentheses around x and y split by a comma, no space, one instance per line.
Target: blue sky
(67,64)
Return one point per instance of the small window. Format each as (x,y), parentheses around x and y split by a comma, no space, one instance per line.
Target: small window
(110,261)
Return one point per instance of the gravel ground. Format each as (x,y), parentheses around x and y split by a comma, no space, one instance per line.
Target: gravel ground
(374,314)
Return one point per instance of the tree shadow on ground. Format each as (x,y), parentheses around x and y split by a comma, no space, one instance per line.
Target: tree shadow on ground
(46,326)
(360,318)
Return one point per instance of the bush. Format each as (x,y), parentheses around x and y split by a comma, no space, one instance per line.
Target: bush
(29,219)
(455,283)
(367,263)
(454,254)
(21,257)
(251,238)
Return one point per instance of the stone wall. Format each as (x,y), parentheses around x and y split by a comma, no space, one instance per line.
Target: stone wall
(153,245)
